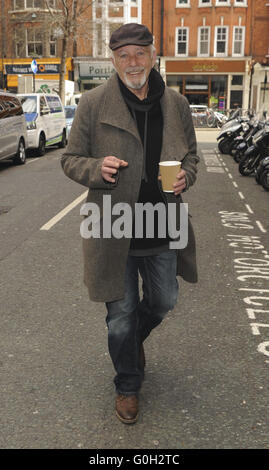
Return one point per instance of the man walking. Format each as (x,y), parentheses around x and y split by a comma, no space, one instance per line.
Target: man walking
(121,131)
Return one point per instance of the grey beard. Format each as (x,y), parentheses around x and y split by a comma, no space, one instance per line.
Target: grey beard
(138,85)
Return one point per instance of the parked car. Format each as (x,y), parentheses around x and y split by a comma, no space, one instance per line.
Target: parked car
(46,123)
(13,130)
(69,117)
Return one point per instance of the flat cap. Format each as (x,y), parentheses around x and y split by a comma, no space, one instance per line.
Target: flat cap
(130,34)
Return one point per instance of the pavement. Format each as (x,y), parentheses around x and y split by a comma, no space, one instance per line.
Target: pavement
(206,382)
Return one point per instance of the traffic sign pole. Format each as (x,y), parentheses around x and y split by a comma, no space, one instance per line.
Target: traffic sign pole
(34,70)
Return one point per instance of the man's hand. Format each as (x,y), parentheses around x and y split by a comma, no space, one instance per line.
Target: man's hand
(180,183)
(110,167)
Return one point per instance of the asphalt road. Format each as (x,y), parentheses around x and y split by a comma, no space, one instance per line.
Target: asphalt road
(206,384)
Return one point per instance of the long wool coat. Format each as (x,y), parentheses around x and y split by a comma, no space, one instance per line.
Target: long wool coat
(104,126)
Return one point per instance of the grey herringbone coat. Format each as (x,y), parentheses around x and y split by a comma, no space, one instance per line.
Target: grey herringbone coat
(104,126)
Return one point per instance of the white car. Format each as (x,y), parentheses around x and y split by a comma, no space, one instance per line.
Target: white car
(46,124)
(13,131)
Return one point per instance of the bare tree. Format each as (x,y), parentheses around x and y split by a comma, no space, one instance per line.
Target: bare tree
(66,21)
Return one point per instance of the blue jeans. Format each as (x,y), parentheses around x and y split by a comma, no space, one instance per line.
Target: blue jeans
(130,320)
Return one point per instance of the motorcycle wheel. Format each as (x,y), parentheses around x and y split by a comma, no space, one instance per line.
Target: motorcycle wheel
(224,145)
(238,156)
(246,167)
(257,177)
(233,148)
(265,180)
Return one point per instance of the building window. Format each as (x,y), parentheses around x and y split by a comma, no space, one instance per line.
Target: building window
(34,43)
(30,4)
(34,4)
(237,80)
(221,3)
(238,41)
(203,41)
(205,3)
(52,46)
(183,3)
(221,41)
(19,42)
(182,39)
(19,5)
(240,3)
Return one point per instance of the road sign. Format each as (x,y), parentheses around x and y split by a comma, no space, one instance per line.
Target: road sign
(34,66)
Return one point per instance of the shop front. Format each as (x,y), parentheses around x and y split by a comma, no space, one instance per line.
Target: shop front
(92,73)
(46,79)
(216,83)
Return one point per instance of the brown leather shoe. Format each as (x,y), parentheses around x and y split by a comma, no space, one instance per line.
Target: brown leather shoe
(127,408)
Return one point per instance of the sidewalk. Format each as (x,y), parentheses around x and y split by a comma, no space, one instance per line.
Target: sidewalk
(206,134)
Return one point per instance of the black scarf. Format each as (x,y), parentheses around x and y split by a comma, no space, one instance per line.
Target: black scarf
(143,110)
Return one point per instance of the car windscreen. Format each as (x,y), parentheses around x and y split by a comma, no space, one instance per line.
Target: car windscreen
(29,104)
(70,112)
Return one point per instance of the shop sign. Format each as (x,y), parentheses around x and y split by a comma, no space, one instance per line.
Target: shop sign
(96,70)
(21,69)
(205,67)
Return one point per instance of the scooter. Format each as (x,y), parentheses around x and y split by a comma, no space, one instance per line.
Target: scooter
(229,133)
(257,152)
(265,179)
(242,143)
(262,173)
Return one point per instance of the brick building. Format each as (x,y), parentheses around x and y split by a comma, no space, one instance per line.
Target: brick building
(215,52)
(259,86)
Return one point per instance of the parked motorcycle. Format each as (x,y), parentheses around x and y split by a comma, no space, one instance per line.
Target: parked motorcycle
(229,132)
(265,179)
(255,153)
(262,173)
(244,141)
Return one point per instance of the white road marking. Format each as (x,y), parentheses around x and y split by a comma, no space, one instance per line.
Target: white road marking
(262,229)
(235,184)
(31,161)
(230,176)
(63,212)
(249,209)
(214,169)
(241,195)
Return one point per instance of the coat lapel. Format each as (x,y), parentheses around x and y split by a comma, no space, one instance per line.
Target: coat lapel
(115,111)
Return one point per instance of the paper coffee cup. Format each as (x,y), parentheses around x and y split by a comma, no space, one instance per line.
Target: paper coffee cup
(168,171)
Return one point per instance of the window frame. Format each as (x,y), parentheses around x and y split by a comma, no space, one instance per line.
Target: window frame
(203,5)
(223,3)
(221,54)
(243,28)
(187,41)
(199,41)
(34,31)
(238,3)
(183,5)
